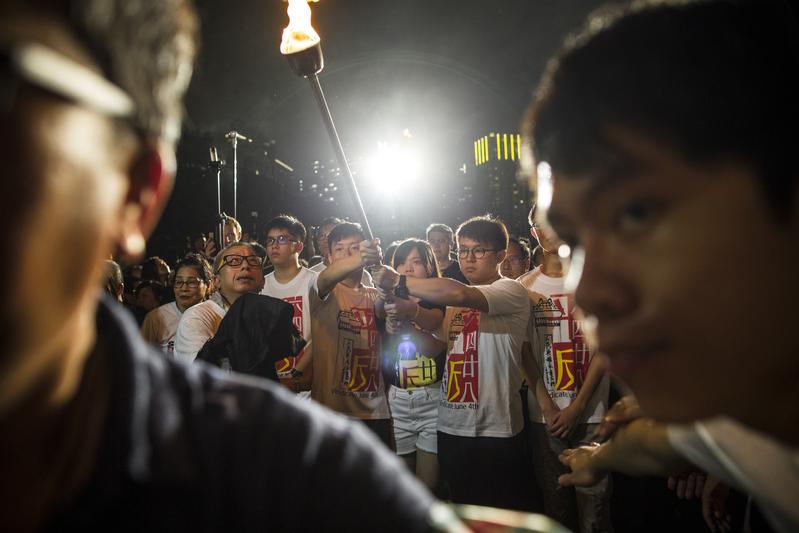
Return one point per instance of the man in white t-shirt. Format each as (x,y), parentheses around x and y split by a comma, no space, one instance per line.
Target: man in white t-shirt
(237,270)
(295,284)
(481,444)
(346,363)
(569,394)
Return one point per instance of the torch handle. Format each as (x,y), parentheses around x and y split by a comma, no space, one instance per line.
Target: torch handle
(342,158)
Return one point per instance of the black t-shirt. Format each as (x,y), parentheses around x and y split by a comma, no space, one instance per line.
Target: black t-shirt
(453,271)
(189,448)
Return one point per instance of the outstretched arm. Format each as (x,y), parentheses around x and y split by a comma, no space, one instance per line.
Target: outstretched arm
(441,291)
(640,448)
(368,254)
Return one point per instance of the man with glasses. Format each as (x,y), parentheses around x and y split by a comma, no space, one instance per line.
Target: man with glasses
(292,282)
(481,445)
(238,269)
(517,262)
(440,238)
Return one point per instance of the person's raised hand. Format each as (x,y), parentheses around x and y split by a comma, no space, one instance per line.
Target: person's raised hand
(385,278)
(371,254)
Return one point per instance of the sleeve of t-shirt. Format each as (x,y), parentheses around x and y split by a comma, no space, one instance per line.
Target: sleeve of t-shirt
(151,327)
(505,297)
(196,326)
(313,291)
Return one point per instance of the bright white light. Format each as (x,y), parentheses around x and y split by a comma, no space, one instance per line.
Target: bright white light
(391,169)
(564,251)
(544,172)
(575,269)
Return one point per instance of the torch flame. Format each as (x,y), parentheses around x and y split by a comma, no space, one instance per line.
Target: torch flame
(299,34)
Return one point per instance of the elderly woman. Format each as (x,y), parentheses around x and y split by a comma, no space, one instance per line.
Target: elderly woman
(191,286)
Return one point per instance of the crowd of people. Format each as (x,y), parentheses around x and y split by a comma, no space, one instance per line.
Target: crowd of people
(403,384)
(439,373)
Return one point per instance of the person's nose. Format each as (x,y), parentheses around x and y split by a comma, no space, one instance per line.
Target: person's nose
(604,290)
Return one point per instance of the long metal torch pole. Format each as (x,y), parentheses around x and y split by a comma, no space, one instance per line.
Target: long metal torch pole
(235,142)
(342,158)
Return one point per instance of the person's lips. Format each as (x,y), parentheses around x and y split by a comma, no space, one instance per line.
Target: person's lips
(629,354)
(246,278)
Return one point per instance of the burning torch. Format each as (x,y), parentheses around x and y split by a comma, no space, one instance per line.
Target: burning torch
(302,47)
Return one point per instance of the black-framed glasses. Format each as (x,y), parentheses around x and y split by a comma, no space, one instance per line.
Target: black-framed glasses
(191,283)
(442,240)
(235,260)
(280,240)
(478,252)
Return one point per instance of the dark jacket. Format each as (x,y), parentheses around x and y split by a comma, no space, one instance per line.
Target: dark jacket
(256,332)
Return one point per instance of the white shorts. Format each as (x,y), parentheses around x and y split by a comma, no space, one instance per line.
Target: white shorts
(415,416)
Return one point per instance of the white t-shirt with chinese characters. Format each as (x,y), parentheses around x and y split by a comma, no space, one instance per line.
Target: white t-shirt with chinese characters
(160,325)
(366,278)
(300,292)
(483,373)
(346,358)
(560,348)
(198,324)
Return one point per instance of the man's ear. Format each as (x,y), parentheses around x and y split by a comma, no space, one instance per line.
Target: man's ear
(299,247)
(501,255)
(151,173)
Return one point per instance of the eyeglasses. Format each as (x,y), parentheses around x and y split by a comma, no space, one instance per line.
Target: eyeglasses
(235,260)
(436,242)
(47,68)
(478,252)
(280,240)
(191,283)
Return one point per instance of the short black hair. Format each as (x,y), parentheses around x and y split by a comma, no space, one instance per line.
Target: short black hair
(710,79)
(485,228)
(147,48)
(197,262)
(443,228)
(149,268)
(292,224)
(524,248)
(342,231)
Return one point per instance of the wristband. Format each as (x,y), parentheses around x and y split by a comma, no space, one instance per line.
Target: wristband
(401,290)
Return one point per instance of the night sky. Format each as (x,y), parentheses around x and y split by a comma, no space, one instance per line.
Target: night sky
(428,75)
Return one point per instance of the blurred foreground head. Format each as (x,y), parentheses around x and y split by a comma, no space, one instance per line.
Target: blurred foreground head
(663,139)
(90,97)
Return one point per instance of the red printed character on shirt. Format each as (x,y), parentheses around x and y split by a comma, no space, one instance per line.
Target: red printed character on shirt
(361,361)
(463,361)
(570,352)
(285,367)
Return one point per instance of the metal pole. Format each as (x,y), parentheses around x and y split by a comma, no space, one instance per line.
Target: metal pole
(219,227)
(235,142)
(327,118)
